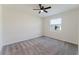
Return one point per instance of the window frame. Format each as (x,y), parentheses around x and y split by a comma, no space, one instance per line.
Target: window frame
(53,25)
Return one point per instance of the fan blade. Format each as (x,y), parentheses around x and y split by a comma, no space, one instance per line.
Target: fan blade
(40,6)
(47,8)
(36,9)
(45,11)
(39,12)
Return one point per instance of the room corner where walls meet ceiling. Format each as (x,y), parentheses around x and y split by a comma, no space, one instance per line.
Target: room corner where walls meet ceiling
(19,14)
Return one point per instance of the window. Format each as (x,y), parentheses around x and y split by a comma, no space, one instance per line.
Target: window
(55,24)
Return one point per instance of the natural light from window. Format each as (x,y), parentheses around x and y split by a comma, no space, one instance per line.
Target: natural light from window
(55,24)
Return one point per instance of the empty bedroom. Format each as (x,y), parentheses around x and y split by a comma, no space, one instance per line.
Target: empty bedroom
(39,29)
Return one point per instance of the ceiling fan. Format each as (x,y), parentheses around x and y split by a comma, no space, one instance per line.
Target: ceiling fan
(42,8)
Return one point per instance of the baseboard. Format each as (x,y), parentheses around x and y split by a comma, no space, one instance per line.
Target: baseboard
(61,40)
(21,40)
(37,37)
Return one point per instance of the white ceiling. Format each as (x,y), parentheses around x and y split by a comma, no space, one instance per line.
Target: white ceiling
(59,8)
(56,8)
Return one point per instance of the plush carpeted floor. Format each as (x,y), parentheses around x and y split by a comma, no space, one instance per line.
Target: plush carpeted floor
(41,46)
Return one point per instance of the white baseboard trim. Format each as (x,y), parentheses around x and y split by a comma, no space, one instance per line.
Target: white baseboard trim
(21,40)
(61,40)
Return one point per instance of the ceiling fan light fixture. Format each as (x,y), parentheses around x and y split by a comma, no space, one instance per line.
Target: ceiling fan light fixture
(41,10)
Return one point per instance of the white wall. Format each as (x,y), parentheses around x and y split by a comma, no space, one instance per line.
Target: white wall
(19,25)
(69,26)
(0,28)
(16,26)
(78,35)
